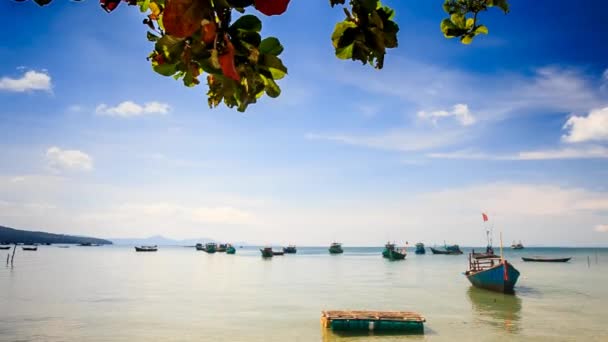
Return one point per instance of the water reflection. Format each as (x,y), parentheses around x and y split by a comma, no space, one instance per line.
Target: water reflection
(502,311)
(330,336)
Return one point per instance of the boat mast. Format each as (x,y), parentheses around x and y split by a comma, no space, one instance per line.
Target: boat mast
(502,258)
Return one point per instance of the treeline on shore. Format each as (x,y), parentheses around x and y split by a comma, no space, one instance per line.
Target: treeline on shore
(11,236)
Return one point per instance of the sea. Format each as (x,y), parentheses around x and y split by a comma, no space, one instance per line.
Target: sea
(112,293)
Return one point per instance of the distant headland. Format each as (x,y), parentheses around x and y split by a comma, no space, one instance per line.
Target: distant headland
(11,235)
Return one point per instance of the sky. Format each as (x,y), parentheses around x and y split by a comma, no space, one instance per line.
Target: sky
(93,142)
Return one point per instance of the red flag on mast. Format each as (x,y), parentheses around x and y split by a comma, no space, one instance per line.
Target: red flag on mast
(484,216)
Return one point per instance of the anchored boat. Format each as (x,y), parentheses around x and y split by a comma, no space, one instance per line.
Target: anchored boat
(221,248)
(544,259)
(291,249)
(420,248)
(391,252)
(30,248)
(336,248)
(230,249)
(210,247)
(146,248)
(5,247)
(489,271)
(518,245)
(450,250)
(266,252)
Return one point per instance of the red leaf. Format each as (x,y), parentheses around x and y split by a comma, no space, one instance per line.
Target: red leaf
(227,63)
(271,7)
(109,5)
(183,17)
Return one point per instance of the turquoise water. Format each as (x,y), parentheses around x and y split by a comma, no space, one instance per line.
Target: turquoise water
(178,294)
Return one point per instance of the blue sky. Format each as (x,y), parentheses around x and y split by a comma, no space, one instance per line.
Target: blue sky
(516,125)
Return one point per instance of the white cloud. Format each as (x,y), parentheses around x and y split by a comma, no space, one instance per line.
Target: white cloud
(459,111)
(59,159)
(587,152)
(30,81)
(128,109)
(398,140)
(601,228)
(593,127)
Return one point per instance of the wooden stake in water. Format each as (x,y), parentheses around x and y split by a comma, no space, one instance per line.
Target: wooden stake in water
(13,257)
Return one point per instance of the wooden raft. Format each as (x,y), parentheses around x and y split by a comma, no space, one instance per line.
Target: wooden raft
(327,317)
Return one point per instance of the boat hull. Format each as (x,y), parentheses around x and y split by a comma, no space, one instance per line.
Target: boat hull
(495,278)
(139,249)
(335,250)
(290,250)
(5,247)
(439,251)
(546,259)
(230,250)
(393,255)
(266,253)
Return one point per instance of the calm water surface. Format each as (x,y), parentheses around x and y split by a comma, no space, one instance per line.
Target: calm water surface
(178,294)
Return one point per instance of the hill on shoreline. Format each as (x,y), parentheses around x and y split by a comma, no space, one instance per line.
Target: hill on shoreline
(12,235)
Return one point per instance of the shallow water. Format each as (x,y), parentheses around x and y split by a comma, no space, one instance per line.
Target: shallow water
(178,294)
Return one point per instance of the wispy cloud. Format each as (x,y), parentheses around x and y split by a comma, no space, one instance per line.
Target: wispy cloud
(397,140)
(59,159)
(494,96)
(593,127)
(587,152)
(129,109)
(30,81)
(460,112)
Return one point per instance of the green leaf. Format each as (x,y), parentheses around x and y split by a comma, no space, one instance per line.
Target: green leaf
(143,5)
(271,87)
(446,27)
(165,69)
(345,52)
(339,31)
(274,65)
(481,29)
(271,45)
(458,19)
(466,39)
(470,23)
(247,22)
(151,36)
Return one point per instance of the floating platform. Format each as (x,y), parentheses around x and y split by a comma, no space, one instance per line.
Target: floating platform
(385,321)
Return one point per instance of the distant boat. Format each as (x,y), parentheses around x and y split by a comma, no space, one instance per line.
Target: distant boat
(63,246)
(266,252)
(5,247)
(336,248)
(221,247)
(544,259)
(451,250)
(393,253)
(146,248)
(30,248)
(517,245)
(420,248)
(278,252)
(291,249)
(85,244)
(230,249)
(199,247)
(210,247)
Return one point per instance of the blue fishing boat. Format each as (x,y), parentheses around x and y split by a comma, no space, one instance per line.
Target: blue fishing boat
(491,273)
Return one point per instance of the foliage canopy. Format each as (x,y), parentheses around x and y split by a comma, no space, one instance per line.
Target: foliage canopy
(196,37)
